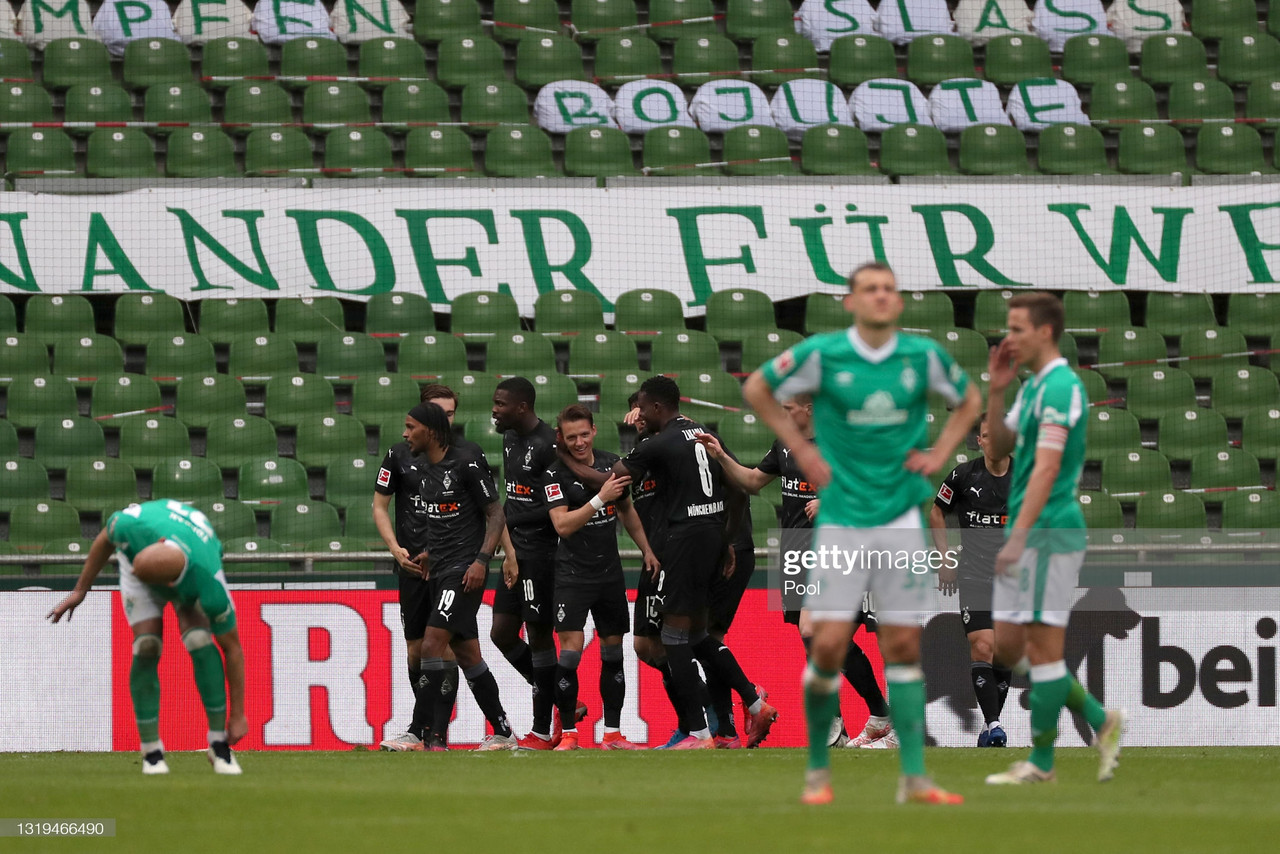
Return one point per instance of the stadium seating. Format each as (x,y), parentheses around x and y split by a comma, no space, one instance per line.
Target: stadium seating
(1010,58)
(270,481)
(33,398)
(757,349)
(348,480)
(289,398)
(189,479)
(200,401)
(377,397)
(646,312)
(81,360)
(1090,59)
(856,59)
(1134,471)
(321,439)
(835,150)
(1172,314)
(1170,509)
(114,394)
(230,440)
(25,481)
(254,545)
(563,315)
(993,150)
(1158,391)
(32,524)
(230,519)
(1224,467)
(684,352)
(519,353)
(1183,434)
(911,149)
(602,354)
(147,443)
(432,355)
(1245,58)
(1253,510)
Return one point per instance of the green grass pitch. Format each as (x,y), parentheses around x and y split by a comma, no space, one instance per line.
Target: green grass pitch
(1167,800)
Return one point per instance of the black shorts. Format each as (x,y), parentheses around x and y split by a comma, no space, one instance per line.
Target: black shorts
(648,619)
(726,593)
(691,560)
(531,598)
(415,605)
(975,603)
(606,601)
(452,608)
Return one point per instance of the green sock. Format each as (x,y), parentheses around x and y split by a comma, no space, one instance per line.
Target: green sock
(144,687)
(1081,701)
(211,682)
(821,703)
(1047,699)
(906,710)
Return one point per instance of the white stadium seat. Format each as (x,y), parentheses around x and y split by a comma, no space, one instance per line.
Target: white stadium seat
(38,25)
(801,104)
(957,104)
(279,21)
(824,21)
(1055,21)
(201,21)
(901,21)
(354,21)
(979,21)
(117,24)
(722,105)
(1037,103)
(1137,20)
(567,104)
(881,103)
(642,105)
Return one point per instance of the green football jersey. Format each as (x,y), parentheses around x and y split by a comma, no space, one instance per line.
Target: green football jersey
(139,525)
(869,411)
(1054,397)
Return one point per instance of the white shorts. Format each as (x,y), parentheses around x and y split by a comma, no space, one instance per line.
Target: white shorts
(141,602)
(1041,590)
(903,594)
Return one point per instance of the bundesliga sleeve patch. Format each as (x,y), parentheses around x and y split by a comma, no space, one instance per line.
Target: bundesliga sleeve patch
(553,491)
(384,477)
(784,362)
(945,493)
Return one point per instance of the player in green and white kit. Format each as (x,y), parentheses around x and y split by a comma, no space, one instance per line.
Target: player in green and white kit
(1039,565)
(168,552)
(870,388)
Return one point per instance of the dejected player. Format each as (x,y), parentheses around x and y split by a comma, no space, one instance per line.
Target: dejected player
(168,552)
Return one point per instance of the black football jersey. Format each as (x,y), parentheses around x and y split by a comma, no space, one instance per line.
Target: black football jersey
(690,487)
(454,494)
(591,552)
(980,501)
(797,491)
(400,476)
(525,461)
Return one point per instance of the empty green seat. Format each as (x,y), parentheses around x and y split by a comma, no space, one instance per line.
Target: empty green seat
(835,150)
(22,354)
(1224,467)
(140,317)
(910,149)
(921,310)
(24,481)
(334,103)
(1230,150)
(33,524)
(991,311)
(1172,314)
(170,359)
(735,314)
(15,61)
(39,152)
(343,356)
(230,519)
(347,481)
(647,312)
(277,151)
(484,313)
(1216,19)
(1244,58)
(176,102)
(1262,104)
(593,19)
(1208,353)
(250,102)
(230,57)
(377,397)
(120,153)
(487,105)
(115,394)
(1015,57)
(757,150)
(338,545)
(156,62)
(73,61)
(562,315)
(307,57)
(1101,510)
(1125,473)
(321,439)
(714,390)
(1089,59)
(295,523)
(1110,430)
(546,59)
(1151,150)
(1122,102)
(1088,312)
(855,59)
(516,20)
(1235,396)
(597,153)
(308,319)
(1133,344)
(204,401)
(1196,102)
(187,479)
(254,359)
(391,58)
(777,57)
(522,151)
(268,482)
(934,58)
(1255,510)
(146,443)
(625,56)
(1170,509)
(431,355)
(413,101)
(289,399)
(1155,392)
(463,60)
(698,59)
(763,346)
(1072,150)
(601,354)
(992,150)
(81,359)
(230,440)
(31,399)
(677,151)
(253,546)
(355,152)
(746,20)
(519,353)
(50,318)
(1256,315)
(25,102)
(667,12)
(826,313)
(200,153)
(684,352)
(1176,56)
(389,314)
(1184,434)
(61,441)
(434,20)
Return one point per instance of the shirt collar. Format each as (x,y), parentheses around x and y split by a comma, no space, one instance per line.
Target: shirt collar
(866,351)
(1049,366)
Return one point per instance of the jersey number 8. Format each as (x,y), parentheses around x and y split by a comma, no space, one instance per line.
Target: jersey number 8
(704,469)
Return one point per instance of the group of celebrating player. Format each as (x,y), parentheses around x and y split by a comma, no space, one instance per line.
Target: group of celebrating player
(849,412)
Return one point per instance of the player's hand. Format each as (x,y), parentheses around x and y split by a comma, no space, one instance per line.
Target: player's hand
(614,487)
(730,562)
(947,580)
(811,509)
(712,444)
(805,626)
(632,416)
(237,727)
(816,469)
(1001,367)
(927,463)
(510,570)
(67,606)
(401,554)
(473,579)
(419,565)
(1011,553)
(650,562)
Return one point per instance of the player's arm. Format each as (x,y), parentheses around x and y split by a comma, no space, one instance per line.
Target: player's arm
(1002,370)
(749,480)
(233,658)
(953,432)
(631,521)
(386,530)
(588,476)
(494,524)
(568,522)
(510,565)
(97,558)
(735,509)
(759,395)
(938,528)
(1043,474)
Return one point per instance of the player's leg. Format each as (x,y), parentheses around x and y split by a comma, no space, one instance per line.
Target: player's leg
(647,642)
(990,681)
(415,608)
(609,611)
(466,648)
(722,667)
(211,683)
(144,689)
(537,582)
(858,672)
(827,647)
(692,557)
(571,616)
(804,628)
(508,605)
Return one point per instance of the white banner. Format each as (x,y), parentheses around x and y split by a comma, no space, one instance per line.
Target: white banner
(443,239)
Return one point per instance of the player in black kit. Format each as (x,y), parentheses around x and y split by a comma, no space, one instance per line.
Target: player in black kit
(692,492)
(799,506)
(589,573)
(977,494)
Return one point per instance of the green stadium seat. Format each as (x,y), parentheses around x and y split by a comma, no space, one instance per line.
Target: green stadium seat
(1072,150)
(230,519)
(1205,351)
(1247,58)
(1015,57)
(25,481)
(307,320)
(118,393)
(510,354)
(625,56)
(1235,396)
(835,150)
(331,104)
(856,59)
(431,355)
(254,545)
(1101,510)
(1273,20)
(120,153)
(698,59)
(251,102)
(1183,434)
(231,440)
(321,439)
(32,524)
(397,313)
(141,317)
(81,360)
(760,348)
(517,20)
(22,354)
(25,102)
(377,397)
(147,443)
(716,388)
(1173,57)
(1131,344)
(50,319)
(434,20)
(8,315)
(826,313)
(1137,470)
(614,395)
(736,314)
(1109,431)
(546,58)
(921,311)
(170,359)
(355,152)
(1260,431)
(176,102)
(307,57)
(232,56)
(1255,510)
(778,50)
(1095,386)
(475,402)
(8,439)
(1195,102)
(1158,391)
(747,20)
(76,546)
(203,401)
(290,399)
(1151,150)
(967,347)
(488,105)
(1171,509)
(338,545)
(1089,59)
(554,392)
(43,152)
(101,101)
(676,150)
(1230,150)
(348,481)
(256,358)
(190,479)
(518,152)
(594,19)
(992,150)
(391,58)
(343,356)
(1217,19)
(15,61)
(684,352)
(746,435)
(271,481)
(464,60)
(1121,101)
(155,62)
(1224,467)
(484,313)
(413,101)
(33,398)
(645,312)
(563,315)
(602,354)
(270,152)
(1255,315)
(295,523)
(910,149)
(1262,102)
(933,58)
(200,153)
(666,11)
(74,61)
(1172,314)
(597,152)
(756,150)
(61,441)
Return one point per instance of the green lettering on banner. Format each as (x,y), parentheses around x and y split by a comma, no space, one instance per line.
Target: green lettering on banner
(424,255)
(945,257)
(71,7)
(1166,23)
(1250,243)
(992,18)
(126,22)
(384,268)
(903,89)
(748,109)
(1124,234)
(1072,13)
(354,8)
(816,248)
(830,6)
(696,261)
(198,17)
(27,281)
(584,110)
(637,104)
(283,20)
(193,231)
(963,87)
(101,237)
(535,246)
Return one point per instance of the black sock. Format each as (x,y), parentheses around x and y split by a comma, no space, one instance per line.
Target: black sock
(613,691)
(446,697)
(673,695)
(858,670)
(485,689)
(430,674)
(521,658)
(1004,677)
(688,686)
(567,694)
(985,689)
(717,658)
(544,691)
(416,725)
(722,702)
